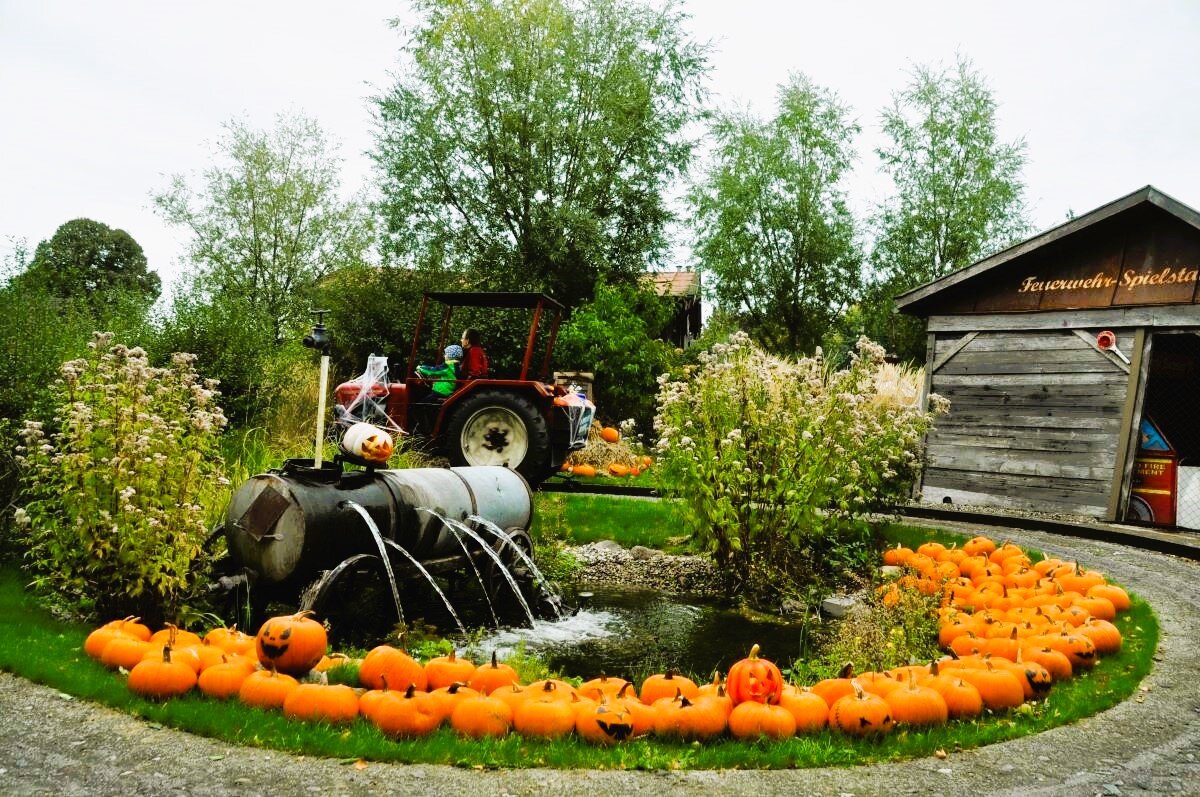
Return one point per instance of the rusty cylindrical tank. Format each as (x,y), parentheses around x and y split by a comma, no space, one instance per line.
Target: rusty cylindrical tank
(287,526)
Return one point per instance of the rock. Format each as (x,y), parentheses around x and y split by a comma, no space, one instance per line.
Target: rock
(838,606)
(641,552)
(891,571)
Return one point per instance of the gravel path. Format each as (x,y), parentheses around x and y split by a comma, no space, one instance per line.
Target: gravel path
(53,745)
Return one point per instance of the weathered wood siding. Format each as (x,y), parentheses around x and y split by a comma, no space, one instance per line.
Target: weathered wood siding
(1034,421)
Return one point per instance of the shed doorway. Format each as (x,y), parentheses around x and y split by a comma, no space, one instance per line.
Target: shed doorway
(1166,477)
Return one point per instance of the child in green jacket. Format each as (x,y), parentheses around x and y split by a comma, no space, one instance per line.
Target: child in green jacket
(446,374)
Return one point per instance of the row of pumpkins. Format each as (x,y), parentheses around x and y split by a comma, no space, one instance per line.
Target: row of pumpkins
(1010,636)
(626,464)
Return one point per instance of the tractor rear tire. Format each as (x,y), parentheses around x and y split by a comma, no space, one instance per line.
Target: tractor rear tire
(495,427)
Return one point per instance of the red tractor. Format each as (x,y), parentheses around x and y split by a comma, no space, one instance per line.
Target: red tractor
(524,423)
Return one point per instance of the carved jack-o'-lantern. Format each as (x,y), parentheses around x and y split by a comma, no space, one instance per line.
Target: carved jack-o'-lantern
(292,644)
(369,442)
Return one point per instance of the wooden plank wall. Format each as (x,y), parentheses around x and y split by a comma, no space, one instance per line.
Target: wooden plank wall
(1034,422)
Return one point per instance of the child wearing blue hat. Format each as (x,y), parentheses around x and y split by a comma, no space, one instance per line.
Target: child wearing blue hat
(446,374)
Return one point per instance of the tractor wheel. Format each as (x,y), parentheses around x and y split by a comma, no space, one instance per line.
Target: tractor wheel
(499,428)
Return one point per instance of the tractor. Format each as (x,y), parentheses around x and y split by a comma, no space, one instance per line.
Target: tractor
(520,421)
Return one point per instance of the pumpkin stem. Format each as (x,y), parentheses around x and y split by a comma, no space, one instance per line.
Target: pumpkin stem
(166,654)
(684,702)
(383,677)
(847,670)
(754,652)
(621,691)
(451,656)
(495,664)
(549,686)
(410,691)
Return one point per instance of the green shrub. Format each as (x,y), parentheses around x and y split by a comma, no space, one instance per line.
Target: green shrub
(113,512)
(779,462)
(615,336)
(876,635)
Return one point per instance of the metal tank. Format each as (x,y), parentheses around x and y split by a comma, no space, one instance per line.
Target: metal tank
(285,528)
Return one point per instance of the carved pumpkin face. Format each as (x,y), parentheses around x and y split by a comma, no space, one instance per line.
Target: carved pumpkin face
(292,644)
(369,442)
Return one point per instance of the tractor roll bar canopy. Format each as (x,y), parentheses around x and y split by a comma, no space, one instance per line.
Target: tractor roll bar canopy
(498,299)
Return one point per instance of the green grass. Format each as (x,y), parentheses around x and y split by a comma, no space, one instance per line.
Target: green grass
(35,645)
(589,518)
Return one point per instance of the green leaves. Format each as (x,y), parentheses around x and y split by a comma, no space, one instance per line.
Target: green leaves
(778,462)
(529,143)
(112,513)
(774,232)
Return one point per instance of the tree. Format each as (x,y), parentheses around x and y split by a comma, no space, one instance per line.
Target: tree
(959,192)
(268,222)
(531,141)
(87,260)
(774,232)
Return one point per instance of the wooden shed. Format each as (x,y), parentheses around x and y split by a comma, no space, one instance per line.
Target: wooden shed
(1072,364)
(684,288)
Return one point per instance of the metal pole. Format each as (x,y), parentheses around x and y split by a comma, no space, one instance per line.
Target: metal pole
(319,440)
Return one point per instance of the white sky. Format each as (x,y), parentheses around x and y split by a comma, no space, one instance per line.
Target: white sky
(101,100)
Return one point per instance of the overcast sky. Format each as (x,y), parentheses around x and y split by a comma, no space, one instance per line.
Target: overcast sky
(101,100)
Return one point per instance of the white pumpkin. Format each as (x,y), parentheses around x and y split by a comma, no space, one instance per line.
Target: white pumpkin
(368,442)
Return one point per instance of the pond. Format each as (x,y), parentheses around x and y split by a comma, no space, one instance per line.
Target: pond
(633,632)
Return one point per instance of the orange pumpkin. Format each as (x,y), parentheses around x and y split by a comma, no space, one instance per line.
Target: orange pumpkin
(266,689)
(481,716)
(861,714)
(487,678)
(584,470)
(393,666)
(752,719)
(445,670)
(336,703)
(610,434)
(754,679)
(161,678)
(292,644)
(604,722)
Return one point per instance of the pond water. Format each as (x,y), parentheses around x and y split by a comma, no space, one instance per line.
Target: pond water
(631,632)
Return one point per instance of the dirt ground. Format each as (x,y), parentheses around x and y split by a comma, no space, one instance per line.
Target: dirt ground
(51,744)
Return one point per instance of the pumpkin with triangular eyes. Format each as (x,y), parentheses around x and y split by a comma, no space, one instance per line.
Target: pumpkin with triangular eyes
(291,644)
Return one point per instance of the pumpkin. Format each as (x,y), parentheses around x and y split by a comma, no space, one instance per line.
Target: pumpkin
(332,660)
(640,714)
(266,689)
(878,683)
(335,703)
(224,680)
(706,718)
(397,668)
(1055,661)
(409,714)
(601,687)
(447,697)
(445,670)
(1118,597)
(610,434)
(604,722)
(161,678)
(1104,635)
(98,640)
(291,644)
(833,689)
(544,714)
(369,442)
(230,640)
(584,470)
(125,651)
(175,637)
(618,469)
(751,719)
(131,625)
(647,460)
(487,678)
(810,712)
(913,704)
(979,545)
(754,679)
(667,685)
(1034,678)
(480,716)
(861,714)
(999,689)
(189,655)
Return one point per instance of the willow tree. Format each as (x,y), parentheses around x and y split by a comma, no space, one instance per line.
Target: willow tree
(775,236)
(531,143)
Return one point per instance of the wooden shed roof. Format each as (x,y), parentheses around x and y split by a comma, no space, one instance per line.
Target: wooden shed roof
(919,300)
(676,283)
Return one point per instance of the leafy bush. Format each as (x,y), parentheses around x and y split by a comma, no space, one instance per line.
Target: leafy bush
(779,462)
(113,514)
(616,337)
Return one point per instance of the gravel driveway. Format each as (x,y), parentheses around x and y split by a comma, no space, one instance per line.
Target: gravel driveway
(1151,744)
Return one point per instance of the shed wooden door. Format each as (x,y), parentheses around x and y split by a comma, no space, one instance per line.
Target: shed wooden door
(1035,421)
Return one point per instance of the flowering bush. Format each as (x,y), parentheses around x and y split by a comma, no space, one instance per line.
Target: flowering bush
(779,462)
(112,515)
